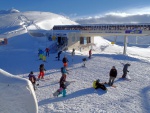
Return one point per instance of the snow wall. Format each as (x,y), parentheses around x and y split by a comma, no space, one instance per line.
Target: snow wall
(17,94)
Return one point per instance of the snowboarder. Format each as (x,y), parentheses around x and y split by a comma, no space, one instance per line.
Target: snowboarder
(32,78)
(41,69)
(62,84)
(97,84)
(125,69)
(112,75)
(90,53)
(58,55)
(65,61)
(84,60)
(47,51)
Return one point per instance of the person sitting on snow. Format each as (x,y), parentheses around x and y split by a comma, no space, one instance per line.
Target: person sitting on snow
(97,84)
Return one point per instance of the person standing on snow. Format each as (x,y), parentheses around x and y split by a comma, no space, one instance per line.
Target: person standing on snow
(47,51)
(112,75)
(41,69)
(90,53)
(73,52)
(125,70)
(84,61)
(32,78)
(58,55)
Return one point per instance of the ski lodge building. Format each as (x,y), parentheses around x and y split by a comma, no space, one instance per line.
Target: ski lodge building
(82,36)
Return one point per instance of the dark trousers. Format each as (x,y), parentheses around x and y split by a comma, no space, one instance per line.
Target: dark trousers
(47,53)
(111,80)
(124,74)
(101,86)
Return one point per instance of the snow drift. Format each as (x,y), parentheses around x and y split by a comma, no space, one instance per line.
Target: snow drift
(16,92)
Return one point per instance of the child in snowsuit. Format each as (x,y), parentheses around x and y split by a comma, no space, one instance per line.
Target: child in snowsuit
(112,75)
(32,78)
(125,70)
(41,69)
(65,61)
(97,84)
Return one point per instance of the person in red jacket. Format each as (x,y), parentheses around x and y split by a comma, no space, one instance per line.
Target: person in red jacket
(90,53)
(47,51)
(41,69)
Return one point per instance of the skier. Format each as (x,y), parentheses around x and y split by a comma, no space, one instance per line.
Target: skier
(58,55)
(125,69)
(65,61)
(47,51)
(97,84)
(90,53)
(32,78)
(112,75)
(41,69)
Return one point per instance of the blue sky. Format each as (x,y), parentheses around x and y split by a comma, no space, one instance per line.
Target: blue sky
(77,9)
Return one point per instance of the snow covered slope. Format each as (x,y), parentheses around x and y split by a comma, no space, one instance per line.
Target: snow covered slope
(13,24)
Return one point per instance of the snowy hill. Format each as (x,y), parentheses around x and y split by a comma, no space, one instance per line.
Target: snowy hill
(13,24)
(20,57)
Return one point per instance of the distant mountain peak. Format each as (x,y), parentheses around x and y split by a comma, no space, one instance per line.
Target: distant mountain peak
(12,10)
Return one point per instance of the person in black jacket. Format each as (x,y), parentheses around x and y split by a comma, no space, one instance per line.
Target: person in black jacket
(58,55)
(113,75)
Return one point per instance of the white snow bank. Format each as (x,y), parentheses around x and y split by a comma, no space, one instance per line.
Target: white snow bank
(17,94)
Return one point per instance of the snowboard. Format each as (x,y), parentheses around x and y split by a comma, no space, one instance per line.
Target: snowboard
(109,85)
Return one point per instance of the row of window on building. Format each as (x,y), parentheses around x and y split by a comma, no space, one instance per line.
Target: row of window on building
(103,27)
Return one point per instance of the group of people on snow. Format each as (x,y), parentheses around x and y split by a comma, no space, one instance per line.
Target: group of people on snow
(112,76)
(64,72)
